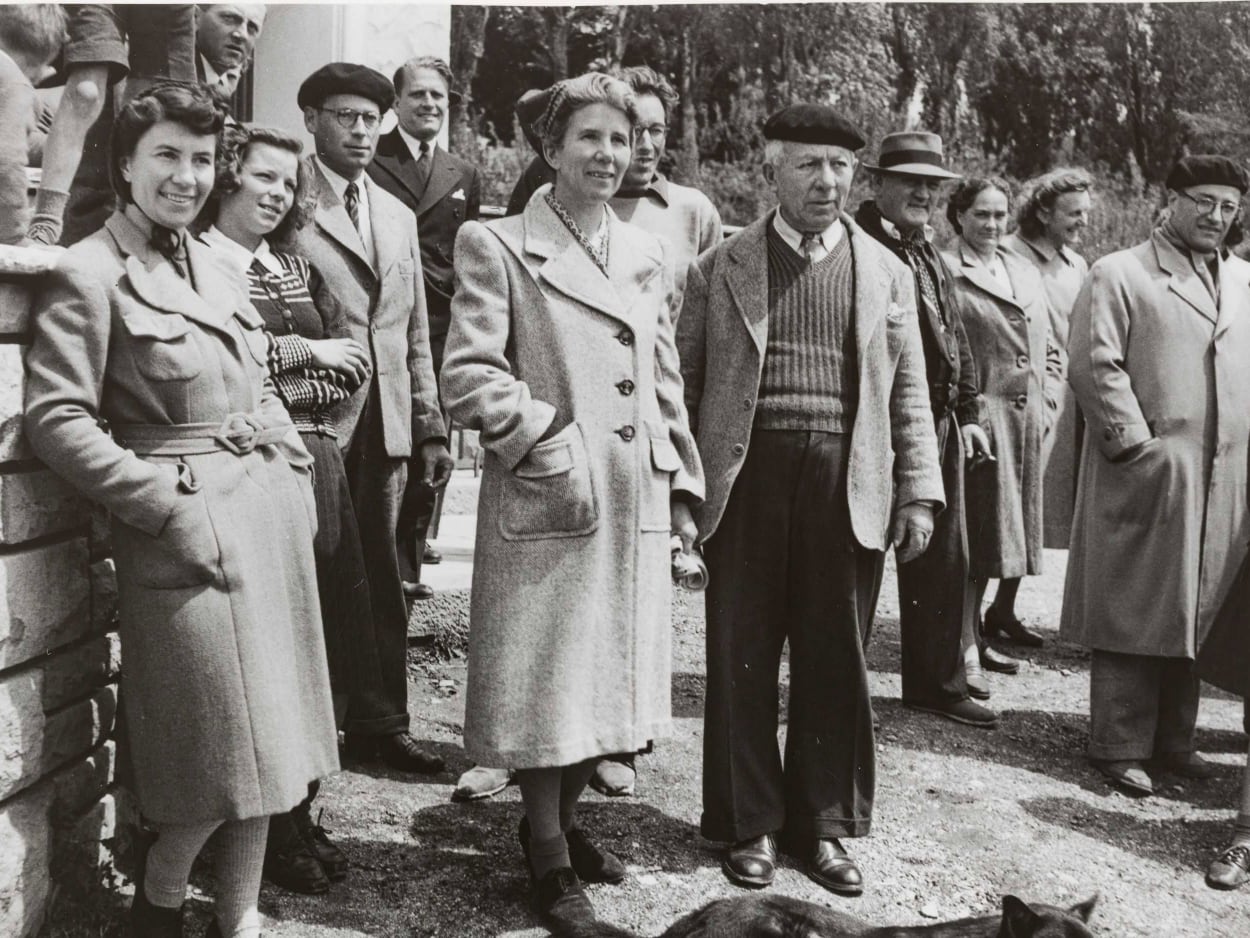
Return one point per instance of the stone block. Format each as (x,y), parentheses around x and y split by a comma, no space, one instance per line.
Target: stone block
(81,784)
(35,502)
(44,599)
(25,862)
(75,672)
(103,595)
(15,298)
(12,445)
(82,850)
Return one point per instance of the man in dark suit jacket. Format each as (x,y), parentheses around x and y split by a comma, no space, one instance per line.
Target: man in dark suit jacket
(443,191)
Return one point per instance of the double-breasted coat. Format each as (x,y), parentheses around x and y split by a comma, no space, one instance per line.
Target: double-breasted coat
(1161,526)
(572,379)
(225,688)
(1020,371)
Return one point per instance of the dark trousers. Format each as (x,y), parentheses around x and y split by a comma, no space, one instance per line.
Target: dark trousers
(379,707)
(1141,706)
(420,501)
(784,564)
(935,597)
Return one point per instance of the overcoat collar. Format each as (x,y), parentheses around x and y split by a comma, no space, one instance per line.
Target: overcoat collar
(975,272)
(332,218)
(1183,280)
(394,158)
(633,259)
(154,280)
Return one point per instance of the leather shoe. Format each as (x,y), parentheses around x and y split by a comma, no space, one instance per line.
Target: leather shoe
(1010,628)
(752,862)
(996,661)
(481,782)
(832,867)
(1126,774)
(614,776)
(418,590)
(589,862)
(153,921)
(974,678)
(331,858)
(1188,765)
(1231,868)
(397,750)
(430,555)
(560,900)
(961,711)
(289,862)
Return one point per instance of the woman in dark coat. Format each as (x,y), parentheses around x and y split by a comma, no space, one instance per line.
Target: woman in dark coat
(261,196)
(226,698)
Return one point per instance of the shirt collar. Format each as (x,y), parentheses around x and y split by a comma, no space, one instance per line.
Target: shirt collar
(829,238)
(237,254)
(414,145)
(892,230)
(657,188)
(1046,250)
(212,76)
(339,183)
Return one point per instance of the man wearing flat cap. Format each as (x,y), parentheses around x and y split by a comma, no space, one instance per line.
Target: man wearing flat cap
(804,379)
(941,661)
(1158,353)
(363,241)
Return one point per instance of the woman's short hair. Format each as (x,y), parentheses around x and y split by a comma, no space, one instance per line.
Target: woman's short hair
(33,30)
(573,94)
(1044,191)
(643,79)
(236,141)
(192,106)
(966,193)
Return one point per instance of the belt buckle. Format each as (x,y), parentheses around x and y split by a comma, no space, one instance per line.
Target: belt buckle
(238,433)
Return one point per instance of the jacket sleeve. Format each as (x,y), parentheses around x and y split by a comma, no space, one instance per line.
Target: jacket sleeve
(427,416)
(479,387)
(917,475)
(65,368)
(711,232)
(692,337)
(1097,344)
(17,108)
(473,204)
(668,391)
(968,394)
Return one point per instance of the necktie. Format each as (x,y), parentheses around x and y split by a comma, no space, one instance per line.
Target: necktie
(920,267)
(170,246)
(226,82)
(422,169)
(809,244)
(351,202)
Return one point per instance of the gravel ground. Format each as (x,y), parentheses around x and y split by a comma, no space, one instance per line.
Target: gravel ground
(963,815)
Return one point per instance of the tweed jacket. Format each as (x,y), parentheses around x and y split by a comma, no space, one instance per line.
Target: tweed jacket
(722,335)
(383,309)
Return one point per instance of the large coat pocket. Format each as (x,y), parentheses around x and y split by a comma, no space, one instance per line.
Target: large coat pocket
(163,345)
(184,554)
(657,479)
(551,491)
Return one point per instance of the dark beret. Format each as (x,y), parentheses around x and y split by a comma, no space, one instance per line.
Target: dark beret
(813,123)
(1207,170)
(346,78)
(529,108)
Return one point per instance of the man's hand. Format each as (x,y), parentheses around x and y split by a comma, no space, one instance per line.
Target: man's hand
(345,355)
(683,523)
(976,444)
(436,464)
(913,526)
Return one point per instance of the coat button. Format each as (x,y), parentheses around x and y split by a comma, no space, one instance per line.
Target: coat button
(1108,434)
(1022,361)
(626,433)
(737,449)
(626,387)
(1022,402)
(625,337)
(747,403)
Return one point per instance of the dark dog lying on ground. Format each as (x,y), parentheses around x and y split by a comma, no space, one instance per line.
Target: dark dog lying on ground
(773,916)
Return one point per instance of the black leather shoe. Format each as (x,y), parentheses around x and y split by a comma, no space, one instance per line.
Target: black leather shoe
(153,921)
(589,862)
(418,590)
(996,661)
(1010,628)
(963,711)
(315,836)
(430,555)
(560,900)
(1230,869)
(832,867)
(397,750)
(752,862)
(1188,765)
(290,862)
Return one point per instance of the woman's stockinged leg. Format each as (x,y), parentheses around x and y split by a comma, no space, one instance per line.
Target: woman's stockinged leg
(168,865)
(1005,597)
(573,781)
(240,856)
(541,794)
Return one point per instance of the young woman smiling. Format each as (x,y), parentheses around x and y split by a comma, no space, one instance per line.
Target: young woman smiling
(225,696)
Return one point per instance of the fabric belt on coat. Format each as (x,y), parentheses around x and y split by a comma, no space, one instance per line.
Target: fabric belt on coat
(238,433)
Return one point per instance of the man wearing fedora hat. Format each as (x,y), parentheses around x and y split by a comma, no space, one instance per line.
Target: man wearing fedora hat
(935,598)
(804,380)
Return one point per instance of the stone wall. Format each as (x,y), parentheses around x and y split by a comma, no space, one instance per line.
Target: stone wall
(58,666)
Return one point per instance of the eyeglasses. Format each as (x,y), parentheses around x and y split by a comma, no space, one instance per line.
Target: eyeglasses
(657,131)
(347,117)
(1206,204)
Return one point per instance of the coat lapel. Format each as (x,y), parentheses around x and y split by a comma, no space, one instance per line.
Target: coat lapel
(396,160)
(747,280)
(1182,279)
(331,217)
(977,274)
(385,222)
(633,261)
(872,288)
(567,266)
(443,178)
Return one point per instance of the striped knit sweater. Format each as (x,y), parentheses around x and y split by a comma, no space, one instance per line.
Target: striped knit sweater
(809,380)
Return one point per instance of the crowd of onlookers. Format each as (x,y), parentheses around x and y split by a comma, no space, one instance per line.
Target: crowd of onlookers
(251,357)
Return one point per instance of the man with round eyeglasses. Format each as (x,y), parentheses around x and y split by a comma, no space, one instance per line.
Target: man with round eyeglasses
(1160,335)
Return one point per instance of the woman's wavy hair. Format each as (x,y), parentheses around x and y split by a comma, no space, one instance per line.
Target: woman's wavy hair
(1044,191)
(571,95)
(236,141)
(966,193)
(192,106)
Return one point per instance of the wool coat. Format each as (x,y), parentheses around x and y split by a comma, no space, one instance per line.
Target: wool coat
(225,689)
(1021,374)
(722,335)
(1161,525)
(572,379)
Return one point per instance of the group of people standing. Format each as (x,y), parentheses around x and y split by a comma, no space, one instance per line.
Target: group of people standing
(276,342)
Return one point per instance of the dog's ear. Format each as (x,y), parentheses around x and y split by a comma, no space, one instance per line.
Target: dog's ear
(1019,920)
(1083,910)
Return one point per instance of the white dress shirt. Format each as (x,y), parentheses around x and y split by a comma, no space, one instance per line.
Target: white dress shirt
(414,145)
(823,241)
(339,185)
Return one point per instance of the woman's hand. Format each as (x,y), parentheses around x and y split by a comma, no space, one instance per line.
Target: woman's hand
(345,355)
(683,523)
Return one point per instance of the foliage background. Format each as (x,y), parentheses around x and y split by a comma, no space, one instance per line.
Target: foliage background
(1014,89)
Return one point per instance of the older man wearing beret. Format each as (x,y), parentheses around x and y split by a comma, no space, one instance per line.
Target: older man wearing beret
(363,241)
(804,378)
(1158,352)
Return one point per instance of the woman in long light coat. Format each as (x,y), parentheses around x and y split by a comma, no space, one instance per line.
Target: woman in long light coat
(561,353)
(1003,302)
(226,695)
